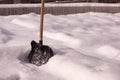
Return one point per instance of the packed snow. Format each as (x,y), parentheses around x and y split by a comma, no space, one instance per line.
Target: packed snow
(86,46)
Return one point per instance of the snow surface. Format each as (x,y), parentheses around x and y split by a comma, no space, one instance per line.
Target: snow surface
(60,5)
(86,47)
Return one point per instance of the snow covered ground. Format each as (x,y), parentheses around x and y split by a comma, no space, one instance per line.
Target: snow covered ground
(86,47)
(60,5)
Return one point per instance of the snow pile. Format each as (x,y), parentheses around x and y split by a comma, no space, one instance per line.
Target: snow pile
(86,47)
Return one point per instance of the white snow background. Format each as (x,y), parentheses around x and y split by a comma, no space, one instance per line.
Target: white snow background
(86,46)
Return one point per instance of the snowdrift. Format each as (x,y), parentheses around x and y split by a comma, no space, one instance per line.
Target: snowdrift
(86,47)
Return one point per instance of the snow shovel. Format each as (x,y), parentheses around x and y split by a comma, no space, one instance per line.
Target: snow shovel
(40,54)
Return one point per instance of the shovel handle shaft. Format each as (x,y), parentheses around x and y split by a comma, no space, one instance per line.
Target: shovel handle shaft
(41,20)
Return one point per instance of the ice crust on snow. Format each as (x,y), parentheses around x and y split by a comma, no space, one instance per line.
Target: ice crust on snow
(86,46)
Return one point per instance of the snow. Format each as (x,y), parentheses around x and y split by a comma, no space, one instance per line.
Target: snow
(86,46)
(108,51)
(60,5)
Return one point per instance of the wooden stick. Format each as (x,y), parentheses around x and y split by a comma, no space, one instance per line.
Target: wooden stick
(41,20)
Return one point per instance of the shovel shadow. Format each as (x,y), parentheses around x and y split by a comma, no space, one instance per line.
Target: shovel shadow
(23,57)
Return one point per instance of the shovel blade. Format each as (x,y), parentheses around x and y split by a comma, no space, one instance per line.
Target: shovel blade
(39,54)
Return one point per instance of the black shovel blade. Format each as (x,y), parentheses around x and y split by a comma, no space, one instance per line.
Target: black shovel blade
(39,54)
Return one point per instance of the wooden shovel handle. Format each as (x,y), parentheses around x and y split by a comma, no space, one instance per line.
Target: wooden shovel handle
(41,20)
